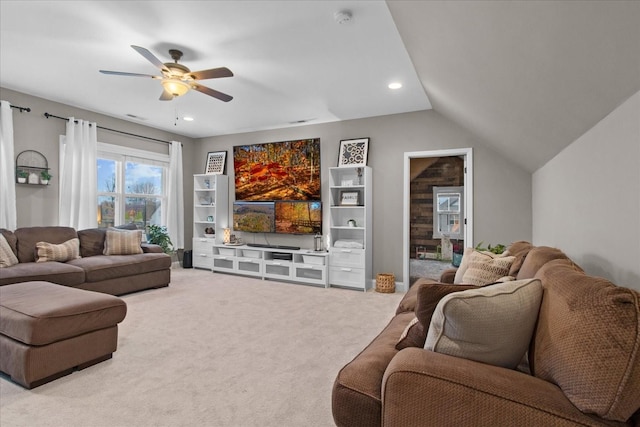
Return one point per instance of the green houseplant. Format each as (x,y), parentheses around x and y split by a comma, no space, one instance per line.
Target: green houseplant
(22,175)
(158,236)
(45,176)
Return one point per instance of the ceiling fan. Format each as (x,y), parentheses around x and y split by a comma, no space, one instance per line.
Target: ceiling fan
(176,78)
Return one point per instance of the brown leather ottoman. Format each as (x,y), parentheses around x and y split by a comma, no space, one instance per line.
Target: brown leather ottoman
(48,330)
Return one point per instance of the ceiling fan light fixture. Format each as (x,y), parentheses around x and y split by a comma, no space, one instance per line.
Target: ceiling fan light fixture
(175,87)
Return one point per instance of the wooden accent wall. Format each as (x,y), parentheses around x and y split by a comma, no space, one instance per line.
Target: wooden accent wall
(438,172)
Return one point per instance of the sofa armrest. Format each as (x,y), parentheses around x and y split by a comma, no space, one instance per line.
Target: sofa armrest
(448,275)
(151,248)
(423,386)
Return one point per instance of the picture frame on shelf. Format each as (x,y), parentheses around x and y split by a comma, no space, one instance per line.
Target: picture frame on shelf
(353,152)
(349,198)
(216,163)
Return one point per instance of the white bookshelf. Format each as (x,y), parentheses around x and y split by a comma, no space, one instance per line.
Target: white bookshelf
(210,210)
(350,225)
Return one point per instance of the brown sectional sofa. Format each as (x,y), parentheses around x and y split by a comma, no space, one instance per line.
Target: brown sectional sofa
(111,274)
(584,361)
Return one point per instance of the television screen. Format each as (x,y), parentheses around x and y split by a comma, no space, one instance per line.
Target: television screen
(254,217)
(298,217)
(288,170)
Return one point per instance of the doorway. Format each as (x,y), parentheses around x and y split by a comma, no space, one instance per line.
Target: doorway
(424,171)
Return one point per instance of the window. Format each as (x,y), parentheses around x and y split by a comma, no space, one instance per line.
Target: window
(448,212)
(131,186)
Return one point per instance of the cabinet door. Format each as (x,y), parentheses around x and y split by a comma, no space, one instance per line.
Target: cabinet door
(346,257)
(347,276)
(202,253)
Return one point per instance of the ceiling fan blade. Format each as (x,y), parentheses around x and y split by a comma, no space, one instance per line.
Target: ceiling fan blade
(120,73)
(166,96)
(211,92)
(151,58)
(213,73)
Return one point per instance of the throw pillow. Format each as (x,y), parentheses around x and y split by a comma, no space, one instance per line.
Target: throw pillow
(7,257)
(122,242)
(63,252)
(492,324)
(485,268)
(427,297)
(464,264)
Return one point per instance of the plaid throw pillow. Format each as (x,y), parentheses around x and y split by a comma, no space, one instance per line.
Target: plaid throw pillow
(63,252)
(122,242)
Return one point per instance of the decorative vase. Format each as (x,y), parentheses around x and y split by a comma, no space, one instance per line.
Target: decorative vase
(22,180)
(44,181)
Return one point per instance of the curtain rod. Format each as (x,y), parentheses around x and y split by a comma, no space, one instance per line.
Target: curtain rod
(47,115)
(27,109)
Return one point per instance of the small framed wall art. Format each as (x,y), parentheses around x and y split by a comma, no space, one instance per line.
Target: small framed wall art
(353,152)
(216,163)
(349,198)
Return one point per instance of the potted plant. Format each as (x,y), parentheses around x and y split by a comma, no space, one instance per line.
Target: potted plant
(22,176)
(45,176)
(158,236)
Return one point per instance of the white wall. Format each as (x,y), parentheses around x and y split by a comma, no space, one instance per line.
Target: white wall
(586,200)
(502,205)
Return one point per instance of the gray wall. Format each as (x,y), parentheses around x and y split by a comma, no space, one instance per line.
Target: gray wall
(38,205)
(502,205)
(586,200)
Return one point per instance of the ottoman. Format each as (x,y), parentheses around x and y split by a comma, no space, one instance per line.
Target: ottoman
(48,330)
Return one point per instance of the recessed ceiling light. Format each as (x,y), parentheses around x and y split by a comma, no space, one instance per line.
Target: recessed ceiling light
(187,119)
(395,85)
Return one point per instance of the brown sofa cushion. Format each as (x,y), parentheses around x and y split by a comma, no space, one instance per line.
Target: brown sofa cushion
(519,251)
(536,258)
(428,296)
(56,272)
(587,341)
(357,391)
(39,313)
(105,267)
(92,239)
(29,236)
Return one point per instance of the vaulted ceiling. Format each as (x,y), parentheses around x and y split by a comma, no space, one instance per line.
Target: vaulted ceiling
(528,77)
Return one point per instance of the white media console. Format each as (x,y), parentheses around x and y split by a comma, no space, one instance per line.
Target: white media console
(302,266)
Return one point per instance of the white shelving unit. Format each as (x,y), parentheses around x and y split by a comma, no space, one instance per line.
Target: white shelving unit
(350,227)
(301,266)
(210,210)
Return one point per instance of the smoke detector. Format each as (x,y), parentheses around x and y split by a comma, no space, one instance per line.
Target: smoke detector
(343,17)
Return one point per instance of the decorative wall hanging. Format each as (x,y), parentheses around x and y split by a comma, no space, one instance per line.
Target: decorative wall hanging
(216,162)
(353,152)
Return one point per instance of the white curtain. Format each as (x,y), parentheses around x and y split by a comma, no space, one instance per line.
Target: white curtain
(175,197)
(8,217)
(78,177)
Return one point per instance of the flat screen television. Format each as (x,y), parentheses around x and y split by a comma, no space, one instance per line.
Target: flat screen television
(295,217)
(288,170)
(254,217)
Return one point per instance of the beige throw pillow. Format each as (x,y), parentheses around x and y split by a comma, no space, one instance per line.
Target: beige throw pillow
(492,325)
(464,264)
(486,267)
(122,242)
(7,257)
(63,252)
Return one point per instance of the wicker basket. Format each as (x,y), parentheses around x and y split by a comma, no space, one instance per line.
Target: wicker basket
(386,283)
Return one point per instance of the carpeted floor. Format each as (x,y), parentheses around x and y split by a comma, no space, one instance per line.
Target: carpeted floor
(213,350)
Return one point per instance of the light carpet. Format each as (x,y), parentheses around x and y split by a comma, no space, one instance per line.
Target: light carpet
(213,350)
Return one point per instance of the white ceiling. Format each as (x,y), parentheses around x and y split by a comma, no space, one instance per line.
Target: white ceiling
(292,61)
(527,78)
